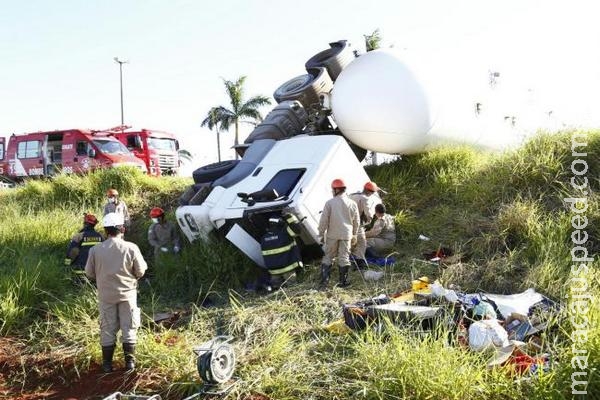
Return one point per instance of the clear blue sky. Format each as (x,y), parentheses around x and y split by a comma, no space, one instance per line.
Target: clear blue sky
(57,68)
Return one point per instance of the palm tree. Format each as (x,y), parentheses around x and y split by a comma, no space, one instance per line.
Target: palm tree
(240,111)
(373,41)
(212,121)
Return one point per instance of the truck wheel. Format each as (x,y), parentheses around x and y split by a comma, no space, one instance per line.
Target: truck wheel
(210,172)
(305,88)
(334,59)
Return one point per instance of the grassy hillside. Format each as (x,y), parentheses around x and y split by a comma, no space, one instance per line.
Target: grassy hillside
(504,216)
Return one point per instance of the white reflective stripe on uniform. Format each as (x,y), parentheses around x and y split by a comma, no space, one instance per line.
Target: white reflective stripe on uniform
(278,250)
(283,270)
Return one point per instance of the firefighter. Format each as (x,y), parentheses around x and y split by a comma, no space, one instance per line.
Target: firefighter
(116,265)
(382,236)
(81,243)
(279,249)
(162,234)
(365,201)
(116,205)
(338,227)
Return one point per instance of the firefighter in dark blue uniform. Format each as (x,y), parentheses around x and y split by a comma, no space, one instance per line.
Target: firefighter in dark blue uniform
(279,249)
(81,243)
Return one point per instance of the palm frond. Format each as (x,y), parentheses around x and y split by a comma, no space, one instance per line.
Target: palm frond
(256,102)
(212,119)
(235,92)
(373,41)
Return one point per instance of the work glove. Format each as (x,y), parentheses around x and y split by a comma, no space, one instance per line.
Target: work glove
(68,261)
(353,241)
(175,249)
(164,249)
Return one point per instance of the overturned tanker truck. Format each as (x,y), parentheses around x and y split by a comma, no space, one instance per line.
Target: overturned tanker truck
(288,163)
(321,129)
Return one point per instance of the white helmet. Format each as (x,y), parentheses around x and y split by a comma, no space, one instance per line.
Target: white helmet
(113,220)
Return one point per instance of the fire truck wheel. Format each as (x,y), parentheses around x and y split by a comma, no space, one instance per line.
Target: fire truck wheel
(335,59)
(305,88)
(210,172)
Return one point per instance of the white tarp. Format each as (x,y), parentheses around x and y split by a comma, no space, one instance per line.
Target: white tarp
(515,303)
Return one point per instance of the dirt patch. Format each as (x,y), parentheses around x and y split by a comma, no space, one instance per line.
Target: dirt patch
(54,376)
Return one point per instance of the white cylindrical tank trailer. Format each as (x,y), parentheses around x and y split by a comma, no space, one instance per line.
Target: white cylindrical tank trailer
(394,103)
(384,104)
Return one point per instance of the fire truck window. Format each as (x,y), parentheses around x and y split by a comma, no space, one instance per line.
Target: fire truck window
(285,181)
(81,148)
(131,142)
(29,149)
(162,144)
(1,151)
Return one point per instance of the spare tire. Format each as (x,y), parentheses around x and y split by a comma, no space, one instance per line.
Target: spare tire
(334,59)
(210,172)
(305,88)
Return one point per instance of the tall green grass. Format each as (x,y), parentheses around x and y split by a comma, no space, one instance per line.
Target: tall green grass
(502,214)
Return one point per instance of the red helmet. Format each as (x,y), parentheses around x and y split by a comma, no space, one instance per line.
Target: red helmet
(338,184)
(156,212)
(112,192)
(90,219)
(371,187)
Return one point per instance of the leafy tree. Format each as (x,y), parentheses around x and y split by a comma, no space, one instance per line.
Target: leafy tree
(373,41)
(240,111)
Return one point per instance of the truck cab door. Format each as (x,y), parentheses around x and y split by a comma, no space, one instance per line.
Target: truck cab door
(82,156)
(135,145)
(28,158)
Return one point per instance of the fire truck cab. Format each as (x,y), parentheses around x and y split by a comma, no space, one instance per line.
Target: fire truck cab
(157,149)
(69,151)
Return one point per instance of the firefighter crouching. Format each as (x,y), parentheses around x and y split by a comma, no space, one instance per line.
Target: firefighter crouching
(80,245)
(365,202)
(280,252)
(162,234)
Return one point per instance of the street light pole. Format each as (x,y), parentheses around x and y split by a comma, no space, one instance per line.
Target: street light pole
(121,62)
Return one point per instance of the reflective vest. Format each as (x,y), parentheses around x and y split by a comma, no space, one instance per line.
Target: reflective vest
(83,241)
(279,251)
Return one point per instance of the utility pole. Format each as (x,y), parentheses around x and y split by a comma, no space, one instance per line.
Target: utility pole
(121,62)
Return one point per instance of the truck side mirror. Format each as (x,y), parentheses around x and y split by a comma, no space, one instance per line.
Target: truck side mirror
(138,142)
(91,153)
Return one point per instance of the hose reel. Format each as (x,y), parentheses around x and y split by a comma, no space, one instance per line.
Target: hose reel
(216,360)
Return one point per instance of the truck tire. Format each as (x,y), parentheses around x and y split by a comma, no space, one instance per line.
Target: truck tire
(305,88)
(210,172)
(334,59)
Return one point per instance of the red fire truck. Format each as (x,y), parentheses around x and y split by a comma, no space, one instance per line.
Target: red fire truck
(158,150)
(69,151)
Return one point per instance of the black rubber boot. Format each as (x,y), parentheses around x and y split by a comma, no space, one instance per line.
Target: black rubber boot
(344,282)
(107,356)
(325,273)
(129,352)
(361,264)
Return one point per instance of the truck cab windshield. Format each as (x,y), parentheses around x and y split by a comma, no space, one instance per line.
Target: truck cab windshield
(110,147)
(161,144)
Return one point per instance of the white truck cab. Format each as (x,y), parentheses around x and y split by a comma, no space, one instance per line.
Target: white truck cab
(292,175)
